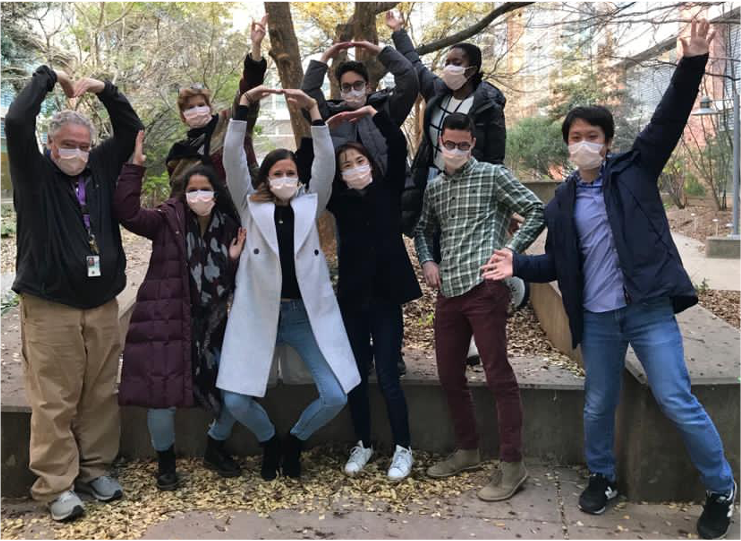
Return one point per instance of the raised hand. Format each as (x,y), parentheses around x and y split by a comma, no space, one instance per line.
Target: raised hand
(499,265)
(258,31)
(65,83)
(699,41)
(351,116)
(334,50)
(299,98)
(138,157)
(88,84)
(256,94)
(237,245)
(367,45)
(393,21)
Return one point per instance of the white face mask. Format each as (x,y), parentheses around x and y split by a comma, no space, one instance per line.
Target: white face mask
(358,178)
(585,155)
(354,98)
(200,201)
(454,77)
(454,159)
(197,117)
(71,161)
(284,188)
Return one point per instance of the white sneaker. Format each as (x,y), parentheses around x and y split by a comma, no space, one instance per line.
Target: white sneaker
(401,464)
(359,457)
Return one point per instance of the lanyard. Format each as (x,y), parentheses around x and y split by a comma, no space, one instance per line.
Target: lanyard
(82,199)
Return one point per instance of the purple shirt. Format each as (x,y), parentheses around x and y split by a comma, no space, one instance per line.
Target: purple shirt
(603,278)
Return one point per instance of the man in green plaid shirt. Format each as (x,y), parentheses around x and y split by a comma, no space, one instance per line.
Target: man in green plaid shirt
(471,203)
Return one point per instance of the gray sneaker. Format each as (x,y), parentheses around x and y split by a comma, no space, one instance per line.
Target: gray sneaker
(67,506)
(103,488)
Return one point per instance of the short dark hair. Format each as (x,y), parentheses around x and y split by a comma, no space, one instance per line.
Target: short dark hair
(596,115)
(351,65)
(458,121)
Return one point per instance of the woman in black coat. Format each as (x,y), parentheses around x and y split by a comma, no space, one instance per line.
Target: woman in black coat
(375,279)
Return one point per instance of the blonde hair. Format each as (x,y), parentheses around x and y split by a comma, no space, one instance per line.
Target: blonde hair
(186,93)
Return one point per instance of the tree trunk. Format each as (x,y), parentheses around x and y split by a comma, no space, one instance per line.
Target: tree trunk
(284,51)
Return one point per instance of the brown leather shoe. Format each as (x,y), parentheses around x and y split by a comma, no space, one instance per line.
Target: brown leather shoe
(505,482)
(460,460)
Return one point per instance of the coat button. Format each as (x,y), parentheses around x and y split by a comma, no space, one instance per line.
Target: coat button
(316,252)
(256,251)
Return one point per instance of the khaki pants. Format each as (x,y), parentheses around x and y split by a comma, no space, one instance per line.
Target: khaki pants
(71,362)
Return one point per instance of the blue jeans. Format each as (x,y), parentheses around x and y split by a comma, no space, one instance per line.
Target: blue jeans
(382,322)
(652,330)
(294,329)
(161,423)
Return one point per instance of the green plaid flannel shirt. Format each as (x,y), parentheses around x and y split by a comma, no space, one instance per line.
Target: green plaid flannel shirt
(472,208)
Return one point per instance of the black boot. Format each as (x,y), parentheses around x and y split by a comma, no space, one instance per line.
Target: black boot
(271,455)
(167,477)
(216,458)
(292,456)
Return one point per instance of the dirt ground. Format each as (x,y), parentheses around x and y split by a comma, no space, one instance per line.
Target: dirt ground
(701,225)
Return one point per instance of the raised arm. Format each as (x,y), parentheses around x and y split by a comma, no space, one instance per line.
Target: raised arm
(517,198)
(323,166)
(403,43)
(127,197)
(124,120)
(253,72)
(397,148)
(314,77)
(236,167)
(657,140)
(20,120)
(406,84)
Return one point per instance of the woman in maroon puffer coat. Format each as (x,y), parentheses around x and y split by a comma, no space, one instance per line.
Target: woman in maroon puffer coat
(174,341)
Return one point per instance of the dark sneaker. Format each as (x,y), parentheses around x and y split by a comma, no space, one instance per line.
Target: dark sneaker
(216,458)
(595,497)
(716,515)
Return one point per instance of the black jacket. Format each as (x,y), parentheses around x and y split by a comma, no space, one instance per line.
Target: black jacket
(52,239)
(373,261)
(647,255)
(396,102)
(487,113)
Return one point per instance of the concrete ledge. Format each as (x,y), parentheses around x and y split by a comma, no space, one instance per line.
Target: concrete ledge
(544,189)
(728,247)
(552,401)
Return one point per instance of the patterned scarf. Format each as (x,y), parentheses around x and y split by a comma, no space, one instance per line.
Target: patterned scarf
(210,287)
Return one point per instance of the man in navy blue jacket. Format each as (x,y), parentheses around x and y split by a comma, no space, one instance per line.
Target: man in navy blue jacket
(610,248)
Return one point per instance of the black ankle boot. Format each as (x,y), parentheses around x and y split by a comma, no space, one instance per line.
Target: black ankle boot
(271,455)
(216,458)
(292,456)
(167,477)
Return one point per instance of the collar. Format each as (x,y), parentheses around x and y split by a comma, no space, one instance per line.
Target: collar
(596,183)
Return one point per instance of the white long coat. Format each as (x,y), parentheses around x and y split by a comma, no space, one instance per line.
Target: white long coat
(251,331)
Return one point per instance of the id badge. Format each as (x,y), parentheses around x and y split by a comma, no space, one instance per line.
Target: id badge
(93,266)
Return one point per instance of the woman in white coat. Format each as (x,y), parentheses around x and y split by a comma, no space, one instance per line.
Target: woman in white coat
(283,290)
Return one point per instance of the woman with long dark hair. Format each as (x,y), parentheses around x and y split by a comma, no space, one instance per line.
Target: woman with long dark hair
(284,294)
(173,346)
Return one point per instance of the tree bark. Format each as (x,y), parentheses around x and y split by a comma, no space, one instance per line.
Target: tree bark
(284,51)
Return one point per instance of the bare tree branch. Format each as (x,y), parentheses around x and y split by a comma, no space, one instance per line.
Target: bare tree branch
(471,30)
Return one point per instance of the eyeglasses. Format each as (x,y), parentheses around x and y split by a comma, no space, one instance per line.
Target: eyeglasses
(357,85)
(450,145)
